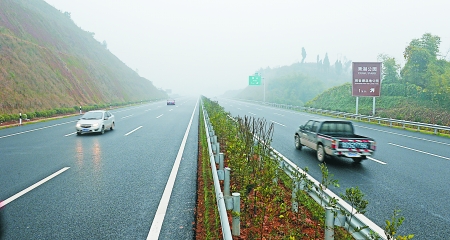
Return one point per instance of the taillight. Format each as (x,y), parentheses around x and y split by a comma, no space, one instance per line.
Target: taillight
(333,144)
(373,145)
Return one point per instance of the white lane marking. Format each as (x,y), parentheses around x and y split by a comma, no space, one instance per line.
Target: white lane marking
(160,116)
(170,110)
(258,109)
(132,131)
(21,193)
(32,130)
(279,123)
(147,110)
(375,160)
(404,135)
(279,114)
(155,229)
(127,116)
(70,134)
(419,151)
(252,113)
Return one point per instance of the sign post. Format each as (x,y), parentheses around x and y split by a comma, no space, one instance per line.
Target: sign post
(366,81)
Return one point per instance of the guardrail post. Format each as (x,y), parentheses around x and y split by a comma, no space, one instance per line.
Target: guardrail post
(220,172)
(236,213)
(329,223)
(20,118)
(294,195)
(217,153)
(226,189)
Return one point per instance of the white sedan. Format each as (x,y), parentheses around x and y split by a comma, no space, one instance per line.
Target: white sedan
(95,122)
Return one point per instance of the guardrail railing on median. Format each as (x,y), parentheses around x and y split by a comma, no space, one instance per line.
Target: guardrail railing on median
(389,121)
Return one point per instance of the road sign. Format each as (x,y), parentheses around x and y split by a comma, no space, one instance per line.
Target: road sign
(254,80)
(366,80)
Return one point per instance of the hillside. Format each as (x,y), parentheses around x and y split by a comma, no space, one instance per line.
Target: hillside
(48,62)
(414,107)
(295,84)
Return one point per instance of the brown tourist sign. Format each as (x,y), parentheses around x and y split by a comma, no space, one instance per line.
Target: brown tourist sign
(366,81)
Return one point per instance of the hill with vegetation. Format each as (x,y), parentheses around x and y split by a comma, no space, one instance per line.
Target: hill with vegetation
(419,91)
(297,83)
(47,62)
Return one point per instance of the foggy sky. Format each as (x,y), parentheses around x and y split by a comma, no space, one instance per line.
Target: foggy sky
(208,47)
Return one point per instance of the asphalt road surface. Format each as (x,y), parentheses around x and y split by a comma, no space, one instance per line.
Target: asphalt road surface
(135,182)
(410,171)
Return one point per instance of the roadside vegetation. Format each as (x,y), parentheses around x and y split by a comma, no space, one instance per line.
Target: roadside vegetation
(267,210)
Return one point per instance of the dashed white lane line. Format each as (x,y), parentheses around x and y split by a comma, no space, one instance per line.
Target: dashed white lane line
(279,123)
(252,113)
(419,151)
(160,116)
(132,131)
(404,135)
(21,193)
(32,130)
(376,160)
(127,116)
(155,229)
(70,134)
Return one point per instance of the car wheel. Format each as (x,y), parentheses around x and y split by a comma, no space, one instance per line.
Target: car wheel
(298,145)
(103,130)
(320,153)
(112,127)
(78,133)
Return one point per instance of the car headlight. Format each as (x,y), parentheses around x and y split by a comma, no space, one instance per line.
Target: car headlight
(95,125)
(78,125)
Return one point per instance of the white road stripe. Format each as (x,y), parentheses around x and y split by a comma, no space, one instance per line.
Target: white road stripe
(279,114)
(32,130)
(160,116)
(132,131)
(21,193)
(375,160)
(404,135)
(412,149)
(279,123)
(252,113)
(127,116)
(155,229)
(70,134)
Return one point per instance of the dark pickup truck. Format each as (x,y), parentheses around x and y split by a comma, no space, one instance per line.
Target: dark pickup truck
(334,138)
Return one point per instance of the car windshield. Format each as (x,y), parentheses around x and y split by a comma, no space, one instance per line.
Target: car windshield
(92,115)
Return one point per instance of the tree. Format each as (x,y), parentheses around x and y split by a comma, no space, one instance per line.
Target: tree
(303,54)
(338,67)
(326,62)
(390,69)
(418,55)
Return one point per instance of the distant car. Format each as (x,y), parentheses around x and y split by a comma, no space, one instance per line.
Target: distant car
(95,122)
(170,102)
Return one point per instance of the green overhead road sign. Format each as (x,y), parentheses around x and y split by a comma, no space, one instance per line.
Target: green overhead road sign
(254,80)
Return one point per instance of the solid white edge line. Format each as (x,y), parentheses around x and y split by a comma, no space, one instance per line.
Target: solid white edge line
(36,129)
(132,131)
(155,229)
(21,193)
(70,134)
(419,151)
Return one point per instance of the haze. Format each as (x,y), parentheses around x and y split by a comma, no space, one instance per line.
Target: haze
(209,47)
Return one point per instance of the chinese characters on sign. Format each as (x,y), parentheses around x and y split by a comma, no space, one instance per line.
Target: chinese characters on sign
(366,80)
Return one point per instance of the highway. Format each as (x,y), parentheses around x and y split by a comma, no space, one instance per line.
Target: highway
(409,171)
(134,182)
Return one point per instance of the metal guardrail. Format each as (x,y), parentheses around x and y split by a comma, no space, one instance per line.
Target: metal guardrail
(357,221)
(226,231)
(389,121)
